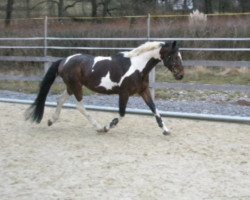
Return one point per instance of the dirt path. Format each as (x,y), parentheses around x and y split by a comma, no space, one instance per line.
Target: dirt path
(200,160)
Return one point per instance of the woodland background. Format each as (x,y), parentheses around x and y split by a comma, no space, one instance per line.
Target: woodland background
(93,8)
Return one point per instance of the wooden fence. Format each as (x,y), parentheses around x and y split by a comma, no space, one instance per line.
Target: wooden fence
(44,40)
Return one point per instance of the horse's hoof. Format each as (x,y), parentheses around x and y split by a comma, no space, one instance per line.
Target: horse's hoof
(166,133)
(105,129)
(50,122)
(102,130)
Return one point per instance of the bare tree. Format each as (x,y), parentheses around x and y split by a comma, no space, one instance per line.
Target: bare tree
(60,9)
(224,5)
(94,8)
(60,6)
(28,8)
(208,6)
(244,5)
(105,9)
(9,10)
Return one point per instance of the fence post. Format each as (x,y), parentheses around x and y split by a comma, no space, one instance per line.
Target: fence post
(46,63)
(148,26)
(152,73)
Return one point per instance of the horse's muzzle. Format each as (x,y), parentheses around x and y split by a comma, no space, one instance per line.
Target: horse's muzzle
(179,76)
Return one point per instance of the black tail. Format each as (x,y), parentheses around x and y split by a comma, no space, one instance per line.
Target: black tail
(35,111)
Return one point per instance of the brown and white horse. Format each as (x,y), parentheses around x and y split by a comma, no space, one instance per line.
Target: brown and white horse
(124,74)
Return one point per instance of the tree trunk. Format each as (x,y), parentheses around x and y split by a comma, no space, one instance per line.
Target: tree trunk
(208,6)
(245,5)
(61,9)
(105,7)
(185,6)
(223,5)
(51,8)
(28,8)
(94,8)
(9,9)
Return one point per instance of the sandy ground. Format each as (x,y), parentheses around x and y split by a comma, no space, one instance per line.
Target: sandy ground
(200,160)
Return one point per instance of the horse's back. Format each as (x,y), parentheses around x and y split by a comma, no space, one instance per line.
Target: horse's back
(75,65)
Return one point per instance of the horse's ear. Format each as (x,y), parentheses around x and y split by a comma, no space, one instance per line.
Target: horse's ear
(174,44)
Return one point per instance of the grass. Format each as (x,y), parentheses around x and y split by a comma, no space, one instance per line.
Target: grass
(191,95)
(202,75)
(33,87)
(29,87)
(231,26)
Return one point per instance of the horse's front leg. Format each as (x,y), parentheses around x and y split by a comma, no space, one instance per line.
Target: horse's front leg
(123,100)
(146,95)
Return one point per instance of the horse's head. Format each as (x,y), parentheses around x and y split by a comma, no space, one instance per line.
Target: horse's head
(171,58)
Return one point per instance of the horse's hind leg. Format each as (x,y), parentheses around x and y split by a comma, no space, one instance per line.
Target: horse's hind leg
(76,89)
(60,101)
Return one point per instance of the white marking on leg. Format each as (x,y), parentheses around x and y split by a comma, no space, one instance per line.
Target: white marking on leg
(69,57)
(165,128)
(80,107)
(163,124)
(60,101)
(157,113)
(99,58)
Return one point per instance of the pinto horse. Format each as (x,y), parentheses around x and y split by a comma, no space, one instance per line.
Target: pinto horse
(125,74)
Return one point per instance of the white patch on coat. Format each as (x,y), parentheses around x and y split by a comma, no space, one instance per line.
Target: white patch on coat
(139,62)
(107,83)
(138,58)
(99,58)
(69,57)
(163,124)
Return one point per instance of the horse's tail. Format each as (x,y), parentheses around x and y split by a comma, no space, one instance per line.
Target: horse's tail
(35,111)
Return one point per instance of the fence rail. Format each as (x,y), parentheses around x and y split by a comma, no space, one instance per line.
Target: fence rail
(45,46)
(118,48)
(124,39)
(43,43)
(207,63)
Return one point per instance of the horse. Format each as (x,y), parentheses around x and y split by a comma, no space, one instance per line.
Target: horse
(124,74)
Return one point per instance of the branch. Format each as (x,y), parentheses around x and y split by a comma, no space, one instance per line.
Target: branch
(72,5)
(42,2)
(109,10)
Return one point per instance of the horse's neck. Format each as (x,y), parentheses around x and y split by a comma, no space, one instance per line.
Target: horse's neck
(149,66)
(148,60)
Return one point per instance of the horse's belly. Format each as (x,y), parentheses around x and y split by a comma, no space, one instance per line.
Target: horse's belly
(102,90)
